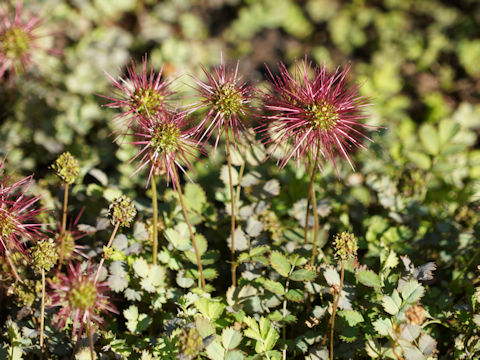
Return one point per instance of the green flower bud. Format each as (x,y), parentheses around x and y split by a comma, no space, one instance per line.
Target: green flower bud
(66,167)
(122,210)
(44,255)
(345,246)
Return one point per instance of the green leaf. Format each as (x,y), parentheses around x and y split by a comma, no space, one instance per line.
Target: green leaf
(331,276)
(274,286)
(234,355)
(447,129)
(429,138)
(280,263)
(382,326)
(420,159)
(368,278)
(294,295)
(215,351)
(352,317)
(209,308)
(204,326)
(141,268)
(412,291)
(195,197)
(231,338)
(303,275)
(179,237)
(389,305)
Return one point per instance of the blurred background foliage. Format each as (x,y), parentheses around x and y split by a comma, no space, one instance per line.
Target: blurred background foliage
(415,191)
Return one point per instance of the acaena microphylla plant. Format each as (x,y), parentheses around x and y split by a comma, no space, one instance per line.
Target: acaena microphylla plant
(227,99)
(19,35)
(166,143)
(313,115)
(139,93)
(17,216)
(81,300)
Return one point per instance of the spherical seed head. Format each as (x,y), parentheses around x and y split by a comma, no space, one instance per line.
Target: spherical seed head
(83,295)
(345,246)
(313,112)
(122,211)
(165,137)
(227,101)
(147,101)
(44,255)
(66,167)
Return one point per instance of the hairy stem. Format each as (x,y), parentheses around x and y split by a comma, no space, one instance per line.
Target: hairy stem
(315,210)
(192,236)
(307,211)
(232,202)
(334,309)
(155,219)
(64,224)
(8,256)
(114,232)
(42,312)
(90,339)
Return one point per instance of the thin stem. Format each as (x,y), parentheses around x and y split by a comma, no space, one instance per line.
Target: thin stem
(155,218)
(8,256)
(334,310)
(232,203)
(42,312)
(64,224)
(192,236)
(315,210)
(90,339)
(114,232)
(310,189)
(239,187)
(394,345)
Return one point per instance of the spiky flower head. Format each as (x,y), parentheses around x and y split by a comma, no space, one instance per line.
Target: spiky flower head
(17,213)
(122,211)
(312,112)
(18,39)
(346,246)
(139,94)
(165,142)
(226,98)
(44,254)
(80,298)
(66,167)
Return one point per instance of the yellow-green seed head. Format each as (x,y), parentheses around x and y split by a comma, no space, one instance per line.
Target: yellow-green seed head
(68,245)
(165,138)
(346,246)
(227,100)
(66,167)
(122,210)
(83,295)
(8,225)
(15,42)
(147,101)
(322,115)
(44,255)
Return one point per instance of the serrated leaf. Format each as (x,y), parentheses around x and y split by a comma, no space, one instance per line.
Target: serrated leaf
(427,344)
(215,351)
(254,227)
(209,308)
(204,326)
(183,281)
(141,268)
(420,159)
(303,275)
(195,197)
(429,138)
(412,291)
(272,187)
(389,305)
(368,278)
(382,326)
(234,355)
(352,317)
(331,276)
(224,176)
(274,287)
(294,295)
(280,263)
(179,237)
(231,338)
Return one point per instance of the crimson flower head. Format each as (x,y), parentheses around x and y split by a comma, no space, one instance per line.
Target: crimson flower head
(313,114)
(17,213)
(165,142)
(226,99)
(81,299)
(139,94)
(18,39)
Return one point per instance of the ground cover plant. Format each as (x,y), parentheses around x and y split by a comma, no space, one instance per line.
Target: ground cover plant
(234,179)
